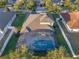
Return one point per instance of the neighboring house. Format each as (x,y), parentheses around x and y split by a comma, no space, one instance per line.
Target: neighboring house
(6,19)
(2,9)
(40,9)
(71,21)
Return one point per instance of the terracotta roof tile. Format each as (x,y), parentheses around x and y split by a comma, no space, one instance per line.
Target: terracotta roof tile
(72,19)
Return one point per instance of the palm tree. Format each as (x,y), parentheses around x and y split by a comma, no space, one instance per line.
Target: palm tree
(58,54)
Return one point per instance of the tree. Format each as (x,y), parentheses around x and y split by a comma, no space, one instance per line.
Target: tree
(77,2)
(20,52)
(51,6)
(2,4)
(48,5)
(18,4)
(23,51)
(67,3)
(73,7)
(29,4)
(58,54)
(11,55)
(16,7)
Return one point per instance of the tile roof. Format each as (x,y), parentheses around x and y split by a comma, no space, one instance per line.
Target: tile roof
(72,19)
(65,16)
(5,17)
(74,22)
(34,20)
(56,1)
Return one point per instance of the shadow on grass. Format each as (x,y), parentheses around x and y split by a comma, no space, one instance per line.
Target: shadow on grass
(60,39)
(11,45)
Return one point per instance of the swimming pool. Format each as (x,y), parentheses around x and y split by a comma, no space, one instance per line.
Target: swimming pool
(43,45)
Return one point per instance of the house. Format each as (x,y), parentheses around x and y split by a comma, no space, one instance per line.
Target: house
(41,37)
(6,19)
(38,21)
(71,21)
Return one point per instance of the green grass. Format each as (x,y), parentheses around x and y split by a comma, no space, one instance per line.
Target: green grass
(19,21)
(13,40)
(11,45)
(60,39)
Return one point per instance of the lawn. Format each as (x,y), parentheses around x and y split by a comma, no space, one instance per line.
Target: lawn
(12,43)
(20,18)
(60,39)
(11,46)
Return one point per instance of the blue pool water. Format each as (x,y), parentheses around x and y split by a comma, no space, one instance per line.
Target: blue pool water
(43,45)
